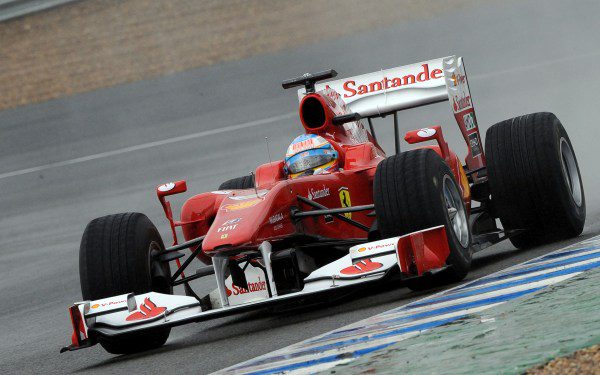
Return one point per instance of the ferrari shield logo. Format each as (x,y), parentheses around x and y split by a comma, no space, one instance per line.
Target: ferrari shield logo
(345,200)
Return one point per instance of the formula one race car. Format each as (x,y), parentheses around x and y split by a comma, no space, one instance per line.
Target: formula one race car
(336,213)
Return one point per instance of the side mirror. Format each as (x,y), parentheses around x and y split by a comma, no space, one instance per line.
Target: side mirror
(165,190)
(429,134)
(171,188)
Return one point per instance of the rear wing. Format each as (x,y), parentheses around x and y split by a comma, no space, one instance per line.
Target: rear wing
(387,91)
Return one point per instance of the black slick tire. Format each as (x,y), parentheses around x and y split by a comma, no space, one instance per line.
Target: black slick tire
(115,258)
(534,179)
(408,195)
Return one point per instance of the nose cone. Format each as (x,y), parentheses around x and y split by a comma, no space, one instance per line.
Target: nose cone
(237,222)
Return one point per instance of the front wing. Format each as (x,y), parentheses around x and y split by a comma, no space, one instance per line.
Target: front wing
(413,254)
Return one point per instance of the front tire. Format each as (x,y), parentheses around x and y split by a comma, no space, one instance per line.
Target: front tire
(414,191)
(534,179)
(115,257)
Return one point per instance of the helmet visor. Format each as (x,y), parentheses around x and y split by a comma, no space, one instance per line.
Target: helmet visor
(309,162)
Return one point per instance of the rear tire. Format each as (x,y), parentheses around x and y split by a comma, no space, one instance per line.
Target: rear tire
(115,257)
(244,182)
(534,179)
(409,196)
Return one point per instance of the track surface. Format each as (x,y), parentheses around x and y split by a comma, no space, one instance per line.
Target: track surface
(522,56)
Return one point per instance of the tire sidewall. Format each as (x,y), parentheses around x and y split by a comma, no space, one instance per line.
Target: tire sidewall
(578,212)
(148,239)
(460,256)
(115,258)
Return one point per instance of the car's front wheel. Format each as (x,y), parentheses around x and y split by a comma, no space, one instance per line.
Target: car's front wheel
(416,190)
(116,257)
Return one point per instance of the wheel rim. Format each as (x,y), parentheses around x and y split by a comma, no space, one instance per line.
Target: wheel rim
(456,211)
(570,171)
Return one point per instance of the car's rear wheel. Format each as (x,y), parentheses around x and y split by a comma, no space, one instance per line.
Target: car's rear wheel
(534,179)
(416,190)
(116,257)
(244,182)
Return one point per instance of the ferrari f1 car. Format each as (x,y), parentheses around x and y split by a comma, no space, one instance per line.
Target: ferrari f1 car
(268,239)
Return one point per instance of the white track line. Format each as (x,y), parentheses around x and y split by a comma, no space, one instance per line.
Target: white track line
(144,146)
(250,124)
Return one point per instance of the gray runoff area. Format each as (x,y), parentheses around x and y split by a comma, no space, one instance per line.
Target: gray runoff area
(521,56)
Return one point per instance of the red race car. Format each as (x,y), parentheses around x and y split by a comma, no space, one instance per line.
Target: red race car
(336,213)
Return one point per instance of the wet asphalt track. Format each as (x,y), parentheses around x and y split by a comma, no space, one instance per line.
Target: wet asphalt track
(522,56)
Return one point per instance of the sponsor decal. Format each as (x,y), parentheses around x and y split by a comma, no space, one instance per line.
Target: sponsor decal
(229,225)
(364,266)
(252,287)
(276,218)
(278,227)
(224,236)
(110,303)
(469,121)
(474,144)
(304,145)
(458,79)
(426,132)
(166,187)
(345,200)
(232,221)
(461,103)
(257,286)
(351,89)
(380,246)
(335,97)
(356,131)
(260,194)
(317,194)
(221,192)
(458,88)
(374,248)
(147,310)
(226,228)
(242,205)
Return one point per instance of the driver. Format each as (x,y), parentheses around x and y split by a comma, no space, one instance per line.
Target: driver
(310,154)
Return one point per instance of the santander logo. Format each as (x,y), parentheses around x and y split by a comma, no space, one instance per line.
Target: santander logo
(147,310)
(252,287)
(462,103)
(319,193)
(363,266)
(351,89)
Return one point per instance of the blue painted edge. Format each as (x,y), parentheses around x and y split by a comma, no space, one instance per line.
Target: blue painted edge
(457,294)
